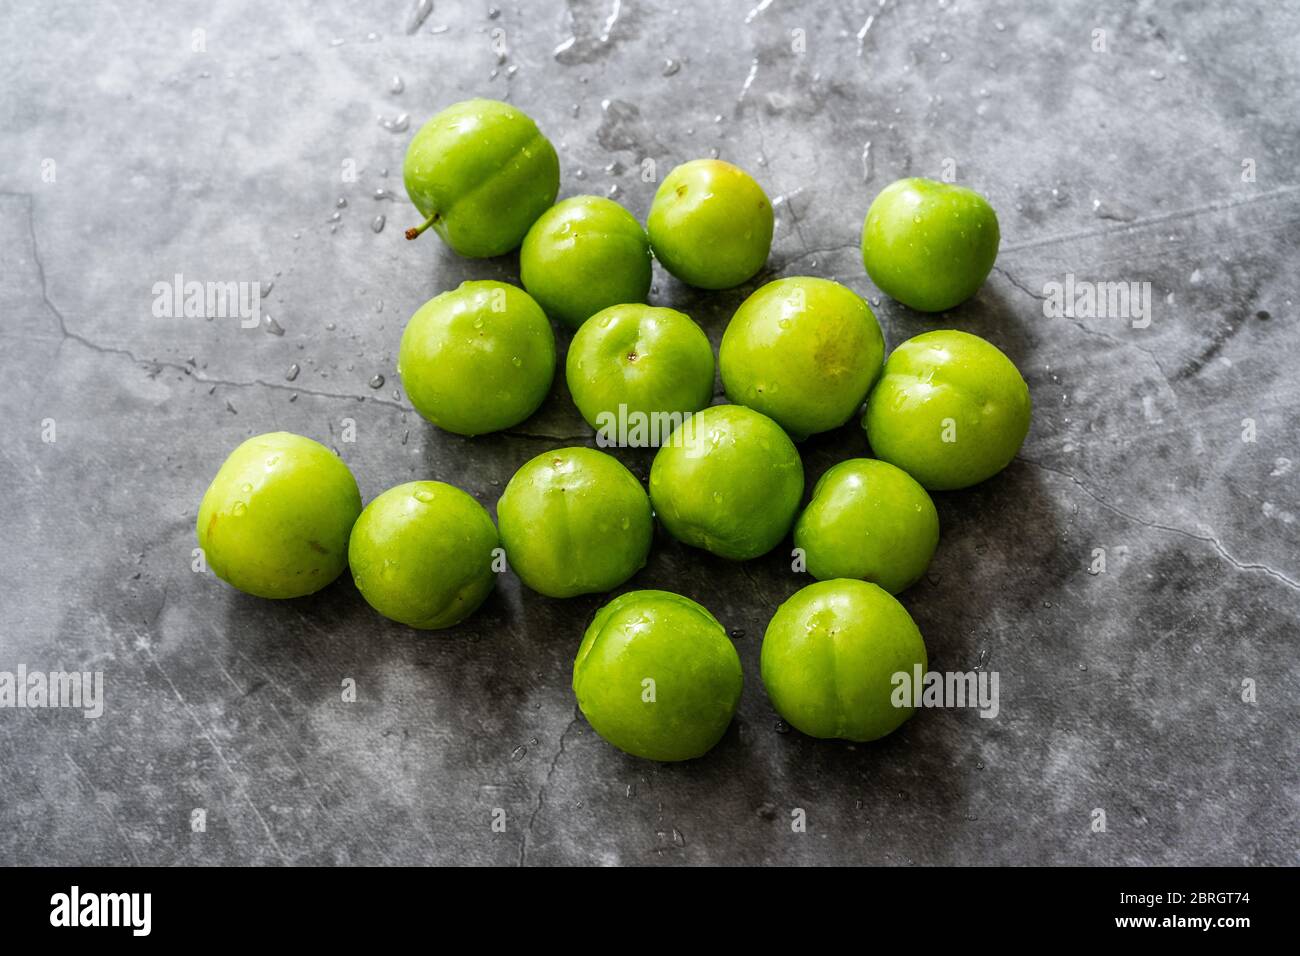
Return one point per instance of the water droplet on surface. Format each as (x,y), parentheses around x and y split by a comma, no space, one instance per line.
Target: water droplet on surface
(377,382)
(419,13)
(395,85)
(397,124)
(239,509)
(270,325)
(518,753)
(377,224)
(671,67)
(762,5)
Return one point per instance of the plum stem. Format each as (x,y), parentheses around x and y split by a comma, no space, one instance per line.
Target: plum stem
(415,233)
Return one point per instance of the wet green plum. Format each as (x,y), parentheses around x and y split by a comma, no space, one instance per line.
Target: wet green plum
(636,372)
(950,409)
(710,224)
(422,554)
(928,244)
(657,677)
(480,172)
(869,520)
(477,359)
(728,480)
(575,521)
(804,352)
(276,518)
(829,657)
(583,255)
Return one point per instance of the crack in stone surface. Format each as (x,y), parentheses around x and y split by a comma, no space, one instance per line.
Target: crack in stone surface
(541,793)
(1217,206)
(66,334)
(1209,539)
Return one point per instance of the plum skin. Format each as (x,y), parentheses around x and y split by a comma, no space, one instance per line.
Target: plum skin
(583,255)
(728,480)
(804,351)
(710,224)
(478,358)
(422,554)
(662,642)
(929,244)
(575,521)
(950,409)
(653,361)
(829,655)
(870,520)
(275,520)
(481,172)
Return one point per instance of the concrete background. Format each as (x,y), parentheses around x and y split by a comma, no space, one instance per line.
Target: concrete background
(1120,691)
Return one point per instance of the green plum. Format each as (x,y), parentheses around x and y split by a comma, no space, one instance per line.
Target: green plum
(728,480)
(477,359)
(657,677)
(710,224)
(869,520)
(575,521)
(950,410)
(930,245)
(636,372)
(830,655)
(422,554)
(583,255)
(276,518)
(480,172)
(804,352)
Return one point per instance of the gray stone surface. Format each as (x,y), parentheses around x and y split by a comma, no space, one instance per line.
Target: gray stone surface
(1120,691)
